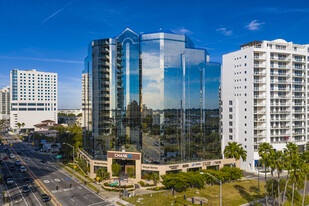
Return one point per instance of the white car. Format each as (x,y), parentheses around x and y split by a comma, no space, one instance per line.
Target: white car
(23,169)
(11,155)
(10,181)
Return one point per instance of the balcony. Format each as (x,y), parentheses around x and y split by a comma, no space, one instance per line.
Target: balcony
(259,58)
(279,112)
(298,75)
(279,74)
(259,65)
(299,60)
(259,127)
(259,89)
(280,89)
(279,81)
(259,73)
(299,97)
(259,120)
(280,96)
(259,104)
(259,81)
(298,82)
(259,96)
(299,111)
(280,58)
(279,119)
(299,68)
(260,112)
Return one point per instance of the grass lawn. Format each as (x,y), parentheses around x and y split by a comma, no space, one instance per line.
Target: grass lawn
(233,194)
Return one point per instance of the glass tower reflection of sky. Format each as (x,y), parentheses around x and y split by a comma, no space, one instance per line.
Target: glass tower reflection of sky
(147,95)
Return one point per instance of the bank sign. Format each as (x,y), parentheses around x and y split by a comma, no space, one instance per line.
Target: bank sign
(126,156)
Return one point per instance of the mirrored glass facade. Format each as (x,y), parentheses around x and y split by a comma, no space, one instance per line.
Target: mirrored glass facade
(148,95)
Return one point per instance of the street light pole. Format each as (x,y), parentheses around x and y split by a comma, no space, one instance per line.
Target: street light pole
(219,181)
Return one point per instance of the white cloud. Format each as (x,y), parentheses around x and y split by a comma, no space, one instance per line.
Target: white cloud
(254,25)
(225,31)
(182,30)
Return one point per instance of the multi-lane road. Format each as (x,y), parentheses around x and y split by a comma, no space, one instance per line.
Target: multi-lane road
(48,178)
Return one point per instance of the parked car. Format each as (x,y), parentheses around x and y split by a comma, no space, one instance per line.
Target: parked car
(26,189)
(11,155)
(5,158)
(23,169)
(43,160)
(17,163)
(45,198)
(18,152)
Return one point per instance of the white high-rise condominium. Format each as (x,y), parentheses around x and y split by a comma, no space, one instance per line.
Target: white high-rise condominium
(5,103)
(33,98)
(264,97)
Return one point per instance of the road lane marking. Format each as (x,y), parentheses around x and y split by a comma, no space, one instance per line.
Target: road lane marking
(35,196)
(46,181)
(38,182)
(16,184)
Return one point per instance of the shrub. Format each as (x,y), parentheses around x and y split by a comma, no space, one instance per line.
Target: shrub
(102,173)
(142,183)
(116,168)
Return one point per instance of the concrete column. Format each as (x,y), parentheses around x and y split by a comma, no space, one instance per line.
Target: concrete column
(138,170)
(91,173)
(109,166)
(184,169)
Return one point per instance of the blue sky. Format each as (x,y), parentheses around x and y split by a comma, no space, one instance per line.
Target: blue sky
(53,35)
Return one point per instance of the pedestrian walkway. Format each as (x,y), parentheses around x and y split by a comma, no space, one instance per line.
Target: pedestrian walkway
(112,197)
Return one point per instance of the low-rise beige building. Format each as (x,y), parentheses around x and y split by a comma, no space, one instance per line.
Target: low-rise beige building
(141,168)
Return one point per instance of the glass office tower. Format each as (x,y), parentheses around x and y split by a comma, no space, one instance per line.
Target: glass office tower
(147,94)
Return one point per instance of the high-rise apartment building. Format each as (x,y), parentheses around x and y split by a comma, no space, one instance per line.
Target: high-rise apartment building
(33,98)
(5,103)
(264,96)
(144,102)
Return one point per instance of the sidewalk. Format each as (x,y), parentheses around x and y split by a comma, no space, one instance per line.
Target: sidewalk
(110,196)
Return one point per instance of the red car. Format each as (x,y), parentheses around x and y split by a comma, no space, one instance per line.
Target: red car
(5,158)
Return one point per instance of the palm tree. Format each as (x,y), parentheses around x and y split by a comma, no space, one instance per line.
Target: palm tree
(297,174)
(264,149)
(234,150)
(279,160)
(290,152)
(272,165)
(305,169)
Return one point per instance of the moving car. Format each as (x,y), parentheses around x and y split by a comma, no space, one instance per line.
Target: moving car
(26,189)
(11,155)
(5,158)
(23,169)
(9,180)
(17,163)
(45,198)
(12,167)
(43,160)
(27,180)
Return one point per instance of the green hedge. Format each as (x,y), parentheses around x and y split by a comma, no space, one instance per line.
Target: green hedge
(116,186)
(143,184)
